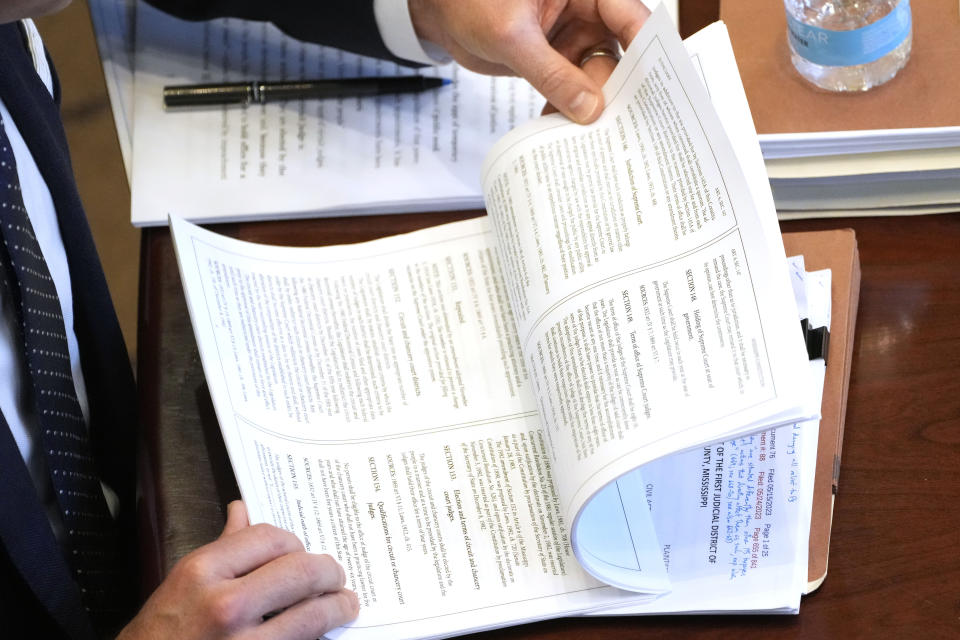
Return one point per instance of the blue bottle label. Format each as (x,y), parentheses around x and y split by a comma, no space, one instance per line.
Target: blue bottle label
(856,46)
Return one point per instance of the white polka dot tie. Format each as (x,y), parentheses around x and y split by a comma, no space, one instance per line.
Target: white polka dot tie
(91,544)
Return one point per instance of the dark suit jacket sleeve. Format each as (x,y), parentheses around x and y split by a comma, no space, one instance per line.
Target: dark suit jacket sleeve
(345,24)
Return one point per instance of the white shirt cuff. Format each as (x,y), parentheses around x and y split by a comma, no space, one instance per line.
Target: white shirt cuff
(396,29)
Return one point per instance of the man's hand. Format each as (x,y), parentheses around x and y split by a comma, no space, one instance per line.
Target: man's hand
(224,589)
(541,40)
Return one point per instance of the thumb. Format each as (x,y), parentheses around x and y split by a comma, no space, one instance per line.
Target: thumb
(563,84)
(236,518)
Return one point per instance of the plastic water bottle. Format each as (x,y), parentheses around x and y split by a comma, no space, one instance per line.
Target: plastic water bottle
(849,45)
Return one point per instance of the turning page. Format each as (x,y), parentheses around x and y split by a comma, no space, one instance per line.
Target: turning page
(652,301)
(733,518)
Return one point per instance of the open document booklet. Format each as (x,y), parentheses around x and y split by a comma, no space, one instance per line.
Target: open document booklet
(591,401)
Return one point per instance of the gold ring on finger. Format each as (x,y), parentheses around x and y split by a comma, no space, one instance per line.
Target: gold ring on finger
(599,52)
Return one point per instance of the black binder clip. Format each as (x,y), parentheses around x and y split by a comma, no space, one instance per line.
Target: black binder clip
(817,340)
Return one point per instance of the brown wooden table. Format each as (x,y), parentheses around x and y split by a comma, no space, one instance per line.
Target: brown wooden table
(895,554)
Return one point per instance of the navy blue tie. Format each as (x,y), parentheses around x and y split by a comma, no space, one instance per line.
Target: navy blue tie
(91,543)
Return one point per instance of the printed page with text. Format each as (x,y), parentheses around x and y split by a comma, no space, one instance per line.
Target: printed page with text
(417,151)
(652,305)
(373,400)
(457,414)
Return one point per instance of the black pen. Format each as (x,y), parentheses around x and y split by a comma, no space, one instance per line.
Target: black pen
(200,95)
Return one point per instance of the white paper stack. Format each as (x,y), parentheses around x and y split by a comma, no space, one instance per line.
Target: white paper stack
(888,182)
